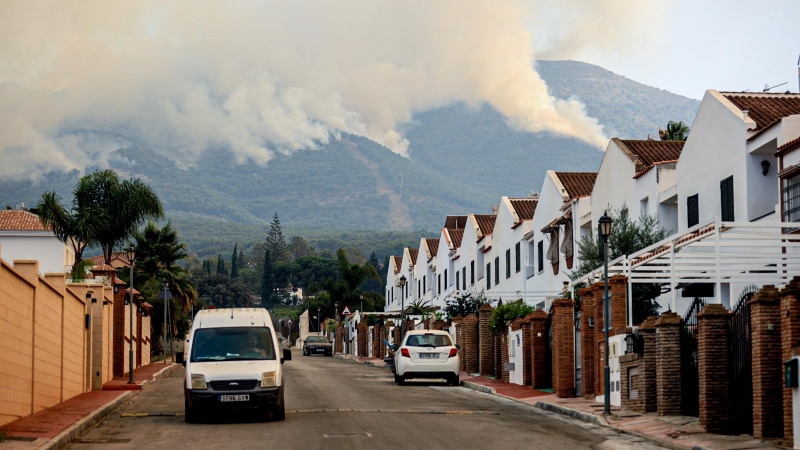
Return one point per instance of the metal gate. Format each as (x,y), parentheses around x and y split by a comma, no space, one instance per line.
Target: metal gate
(690,378)
(578,352)
(740,374)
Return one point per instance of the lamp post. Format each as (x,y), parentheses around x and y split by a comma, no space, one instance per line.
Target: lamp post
(604,230)
(131,258)
(165,322)
(319,311)
(401,283)
(361,296)
(336,313)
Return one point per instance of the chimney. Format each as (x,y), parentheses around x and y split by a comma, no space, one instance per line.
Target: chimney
(745,114)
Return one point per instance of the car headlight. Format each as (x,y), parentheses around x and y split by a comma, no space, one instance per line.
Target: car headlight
(268,379)
(199,381)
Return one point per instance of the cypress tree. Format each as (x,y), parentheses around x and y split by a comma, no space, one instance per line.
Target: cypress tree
(267,282)
(207,266)
(221,270)
(241,260)
(235,262)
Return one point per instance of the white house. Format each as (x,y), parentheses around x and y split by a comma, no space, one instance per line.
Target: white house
(393,274)
(563,214)
(23,237)
(507,254)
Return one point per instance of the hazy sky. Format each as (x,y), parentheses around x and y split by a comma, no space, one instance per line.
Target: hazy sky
(713,44)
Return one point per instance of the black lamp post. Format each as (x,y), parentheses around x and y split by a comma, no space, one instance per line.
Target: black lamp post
(336,311)
(319,311)
(604,230)
(131,258)
(402,283)
(361,296)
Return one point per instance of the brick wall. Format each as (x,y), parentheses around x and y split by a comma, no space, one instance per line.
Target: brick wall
(648,388)
(539,367)
(712,360)
(525,326)
(471,343)
(462,360)
(668,364)
(485,344)
(119,345)
(588,355)
(618,289)
(598,347)
(790,338)
(563,350)
(504,341)
(767,366)
(362,338)
(497,351)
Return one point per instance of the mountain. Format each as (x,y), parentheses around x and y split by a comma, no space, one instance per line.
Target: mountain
(461,160)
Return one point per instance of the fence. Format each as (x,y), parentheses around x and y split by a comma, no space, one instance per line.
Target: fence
(740,373)
(690,387)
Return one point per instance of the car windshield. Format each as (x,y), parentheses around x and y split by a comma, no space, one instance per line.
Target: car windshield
(322,339)
(232,344)
(428,340)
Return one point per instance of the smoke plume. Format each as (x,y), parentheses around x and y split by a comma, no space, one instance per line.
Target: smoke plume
(261,78)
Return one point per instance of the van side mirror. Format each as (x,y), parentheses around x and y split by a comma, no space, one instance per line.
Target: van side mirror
(287,355)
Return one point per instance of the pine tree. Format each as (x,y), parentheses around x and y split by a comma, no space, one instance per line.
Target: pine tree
(234,261)
(221,270)
(267,282)
(276,243)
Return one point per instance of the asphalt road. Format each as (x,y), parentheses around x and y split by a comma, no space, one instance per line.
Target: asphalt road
(383,415)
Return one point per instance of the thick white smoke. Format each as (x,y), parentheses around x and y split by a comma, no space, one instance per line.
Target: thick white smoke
(266,77)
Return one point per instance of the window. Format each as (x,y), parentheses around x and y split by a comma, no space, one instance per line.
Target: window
(438,284)
(508,263)
(496,270)
(726,199)
(540,255)
(446,284)
(472,272)
(791,198)
(391,297)
(488,275)
(458,280)
(424,284)
(419,288)
(692,211)
(464,277)
(518,256)
(643,206)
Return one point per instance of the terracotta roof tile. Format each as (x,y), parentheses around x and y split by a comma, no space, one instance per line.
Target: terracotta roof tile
(485,223)
(19,220)
(414,252)
(649,152)
(398,263)
(456,236)
(788,147)
(433,246)
(455,222)
(577,184)
(103,268)
(524,207)
(765,108)
(100,259)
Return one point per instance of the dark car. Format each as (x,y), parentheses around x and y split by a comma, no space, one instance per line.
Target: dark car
(317,345)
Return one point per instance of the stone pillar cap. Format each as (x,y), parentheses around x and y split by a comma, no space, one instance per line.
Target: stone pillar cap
(616,279)
(767,294)
(649,324)
(713,310)
(486,307)
(668,319)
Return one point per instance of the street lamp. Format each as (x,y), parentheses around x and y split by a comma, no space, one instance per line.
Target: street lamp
(336,313)
(361,296)
(166,305)
(319,311)
(604,230)
(401,283)
(131,258)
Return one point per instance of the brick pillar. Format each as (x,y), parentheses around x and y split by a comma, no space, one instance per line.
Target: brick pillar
(525,326)
(588,343)
(362,338)
(471,341)
(563,348)
(376,333)
(139,339)
(648,388)
(485,356)
(618,289)
(712,359)
(396,333)
(668,364)
(497,351)
(767,366)
(630,369)
(539,376)
(599,336)
(790,338)
(504,354)
(339,339)
(118,363)
(462,360)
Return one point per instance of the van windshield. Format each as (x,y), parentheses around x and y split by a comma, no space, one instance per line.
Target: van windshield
(232,344)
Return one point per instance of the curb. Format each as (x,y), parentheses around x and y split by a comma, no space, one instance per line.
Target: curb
(366,363)
(75,430)
(579,415)
(163,373)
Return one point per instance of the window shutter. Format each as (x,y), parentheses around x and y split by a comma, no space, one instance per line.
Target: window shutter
(488,275)
(424,285)
(508,263)
(464,277)
(445,279)
(726,199)
(438,284)
(518,254)
(496,270)
(458,279)
(692,211)
(472,272)
(540,255)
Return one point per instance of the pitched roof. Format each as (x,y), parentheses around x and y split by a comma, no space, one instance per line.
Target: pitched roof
(103,268)
(398,263)
(433,246)
(524,207)
(19,220)
(414,252)
(100,259)
(456,236)
(649,152)
(792,145)
(485,223)
(455,222)
(765,108)
(577,184)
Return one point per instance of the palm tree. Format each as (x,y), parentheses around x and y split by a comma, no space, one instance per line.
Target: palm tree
(346,289)
(158,251)
(418,308)
(676,131)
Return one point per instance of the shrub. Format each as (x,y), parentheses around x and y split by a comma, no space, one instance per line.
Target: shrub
(506,313)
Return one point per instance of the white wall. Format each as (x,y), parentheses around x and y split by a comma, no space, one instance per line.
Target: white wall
(515,356)
(614,185)
(52,255)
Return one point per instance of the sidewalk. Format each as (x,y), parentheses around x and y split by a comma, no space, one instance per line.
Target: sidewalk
(368,361)
(673,431)
(56,426)
(142,375)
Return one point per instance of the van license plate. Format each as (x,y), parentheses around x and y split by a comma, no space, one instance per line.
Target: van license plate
(235,398)
(429,355)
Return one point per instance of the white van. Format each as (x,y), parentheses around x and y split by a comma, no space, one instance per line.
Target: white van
(233,361)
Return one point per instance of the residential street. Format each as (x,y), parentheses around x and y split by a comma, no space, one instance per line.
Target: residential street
(385,416)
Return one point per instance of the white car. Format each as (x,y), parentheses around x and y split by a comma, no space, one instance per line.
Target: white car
(426,354)
(234,363)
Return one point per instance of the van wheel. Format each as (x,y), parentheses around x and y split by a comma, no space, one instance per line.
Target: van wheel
(280,414)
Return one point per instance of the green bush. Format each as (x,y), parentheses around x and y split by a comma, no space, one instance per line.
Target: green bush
(507,313)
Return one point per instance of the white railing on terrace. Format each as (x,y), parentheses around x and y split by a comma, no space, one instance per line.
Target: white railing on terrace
(718,252)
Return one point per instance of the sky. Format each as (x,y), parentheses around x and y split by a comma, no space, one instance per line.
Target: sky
(262,78)
(731,45)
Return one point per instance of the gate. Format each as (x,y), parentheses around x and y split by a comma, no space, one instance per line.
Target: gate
(548,351)
(578,350)
(690,378)
(740,374)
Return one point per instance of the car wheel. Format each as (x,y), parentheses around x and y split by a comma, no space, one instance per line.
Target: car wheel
(454,380)
(397,378)
(401,380)
(190,414)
